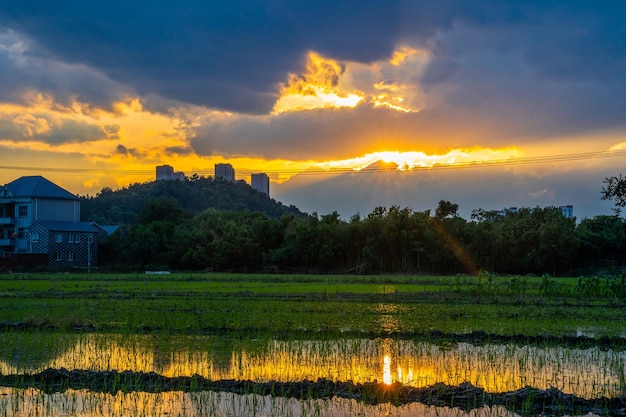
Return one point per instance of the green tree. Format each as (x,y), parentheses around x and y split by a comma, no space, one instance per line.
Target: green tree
(160,209)
(446,209)
(558,241)
(615,189)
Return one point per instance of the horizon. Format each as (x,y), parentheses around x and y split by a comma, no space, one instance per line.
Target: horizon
(464,213)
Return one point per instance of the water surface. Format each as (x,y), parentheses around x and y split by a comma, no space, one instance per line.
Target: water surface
(588,373)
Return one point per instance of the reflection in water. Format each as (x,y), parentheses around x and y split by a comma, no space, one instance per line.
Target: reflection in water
(588,373)
(83,403)
(387,370)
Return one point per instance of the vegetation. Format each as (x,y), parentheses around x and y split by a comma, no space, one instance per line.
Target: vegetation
(191,196)
(206,224)
(388,240)
(318,304)
(615,189)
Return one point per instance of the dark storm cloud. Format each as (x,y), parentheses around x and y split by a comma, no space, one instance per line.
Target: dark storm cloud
(227,55)
(481,114)
(566,59)
(178,150)
(25,70)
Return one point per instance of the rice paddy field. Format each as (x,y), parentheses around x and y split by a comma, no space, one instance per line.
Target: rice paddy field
(309,345)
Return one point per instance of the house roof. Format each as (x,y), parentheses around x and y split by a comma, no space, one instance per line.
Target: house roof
(110,229)
(85,227)
(37,186)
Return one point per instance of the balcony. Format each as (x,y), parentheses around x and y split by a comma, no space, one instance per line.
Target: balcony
(7,220)
(7,242)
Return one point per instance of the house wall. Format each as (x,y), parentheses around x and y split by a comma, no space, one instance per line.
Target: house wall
(67,252)
(58,210)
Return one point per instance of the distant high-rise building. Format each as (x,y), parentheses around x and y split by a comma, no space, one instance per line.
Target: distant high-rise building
(225,171)
(568,211)
(508,210)
(166,172)
(261,182)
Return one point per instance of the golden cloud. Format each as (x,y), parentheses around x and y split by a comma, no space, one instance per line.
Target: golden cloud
(32,125)
(315,89)
(328,84)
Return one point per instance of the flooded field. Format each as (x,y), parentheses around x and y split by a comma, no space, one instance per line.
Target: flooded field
(274,345)
(496,368)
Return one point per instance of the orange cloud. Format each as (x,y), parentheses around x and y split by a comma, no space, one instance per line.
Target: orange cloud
(316,88)
(329,84)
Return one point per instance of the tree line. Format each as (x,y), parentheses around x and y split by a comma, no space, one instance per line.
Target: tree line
(193,195)
(387,240)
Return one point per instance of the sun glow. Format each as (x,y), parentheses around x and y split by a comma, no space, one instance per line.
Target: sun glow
(329,84)
(316,88)
(406,161)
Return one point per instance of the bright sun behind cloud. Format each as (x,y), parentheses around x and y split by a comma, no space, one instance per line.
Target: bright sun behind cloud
(316,89)
(328,84)
(406,161)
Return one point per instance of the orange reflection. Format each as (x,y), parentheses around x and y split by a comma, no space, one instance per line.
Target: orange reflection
(387,370)
(589,373)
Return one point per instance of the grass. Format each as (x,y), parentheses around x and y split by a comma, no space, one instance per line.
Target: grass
(316,303)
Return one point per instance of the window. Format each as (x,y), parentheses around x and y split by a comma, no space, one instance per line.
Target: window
(22,211)
(70,256)
(73,237)
(58,237)
(34,236)
(57,256)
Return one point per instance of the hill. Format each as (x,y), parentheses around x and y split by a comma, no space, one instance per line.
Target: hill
(193,195)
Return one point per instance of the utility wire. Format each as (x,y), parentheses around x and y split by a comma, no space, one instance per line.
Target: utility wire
(321,171)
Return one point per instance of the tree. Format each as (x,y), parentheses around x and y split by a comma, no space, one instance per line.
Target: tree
(446,209)
(615,189)
(160,209)
(558,241)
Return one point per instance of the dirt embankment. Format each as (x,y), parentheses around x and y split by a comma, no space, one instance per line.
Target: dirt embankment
(464,396)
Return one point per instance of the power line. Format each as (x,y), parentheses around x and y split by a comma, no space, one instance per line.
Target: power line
(321,171)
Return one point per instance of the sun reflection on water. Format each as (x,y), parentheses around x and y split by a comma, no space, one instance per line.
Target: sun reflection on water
(496,368)
(387,370)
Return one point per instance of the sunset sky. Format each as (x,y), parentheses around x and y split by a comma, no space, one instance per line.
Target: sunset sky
(488,104)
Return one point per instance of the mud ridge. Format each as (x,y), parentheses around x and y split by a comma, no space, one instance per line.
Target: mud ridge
(464,396)
(476,338)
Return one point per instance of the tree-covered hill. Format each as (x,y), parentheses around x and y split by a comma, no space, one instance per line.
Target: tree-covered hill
(193,196)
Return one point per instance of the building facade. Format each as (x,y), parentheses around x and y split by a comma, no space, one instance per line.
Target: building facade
(39,217)
(225,171)
(166,172)
(66,243)
(568,211)
(261,183)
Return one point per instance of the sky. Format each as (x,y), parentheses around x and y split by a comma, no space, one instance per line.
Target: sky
(345,105)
